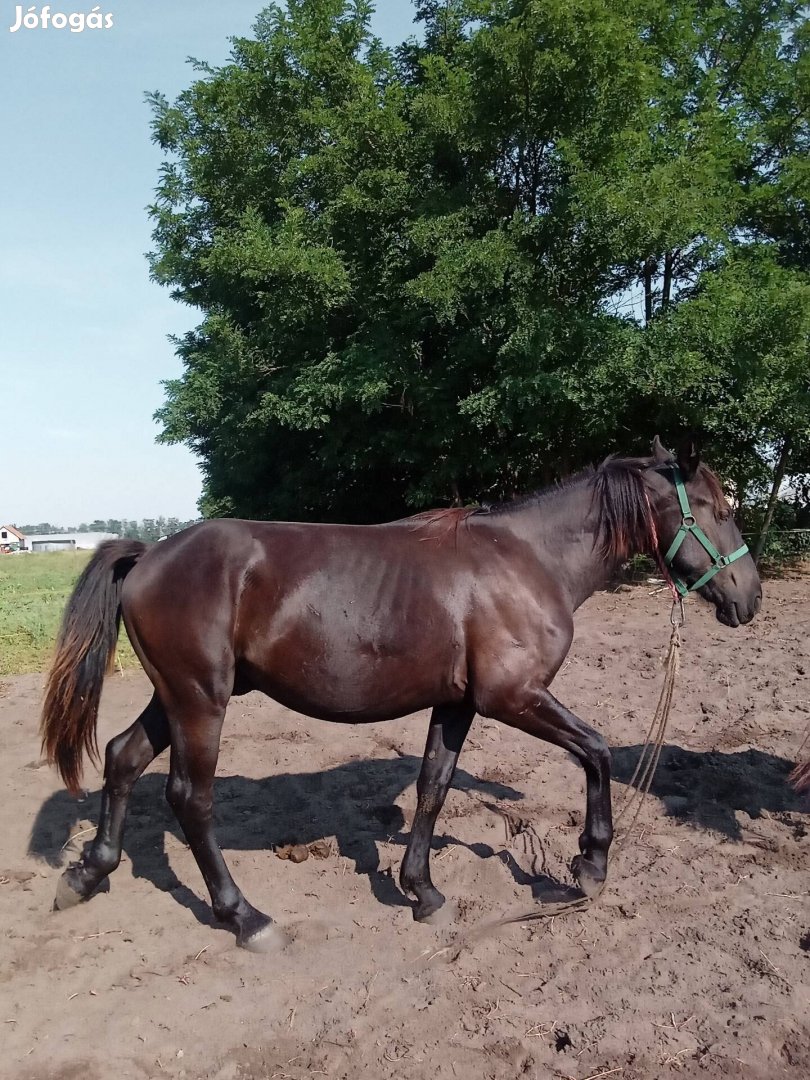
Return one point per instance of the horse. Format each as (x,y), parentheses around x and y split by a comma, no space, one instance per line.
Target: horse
(462,610)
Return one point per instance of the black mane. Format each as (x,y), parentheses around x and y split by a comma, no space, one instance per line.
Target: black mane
(618,489)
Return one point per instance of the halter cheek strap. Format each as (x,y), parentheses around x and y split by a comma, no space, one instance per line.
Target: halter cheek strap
(690,525)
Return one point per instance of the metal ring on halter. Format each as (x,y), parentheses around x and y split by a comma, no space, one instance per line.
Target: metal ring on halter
(677,616)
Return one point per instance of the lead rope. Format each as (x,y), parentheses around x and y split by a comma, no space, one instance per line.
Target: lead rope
(638,787)
(641,780)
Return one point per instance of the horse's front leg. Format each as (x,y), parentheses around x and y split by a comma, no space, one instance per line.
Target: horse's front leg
(449,725)
(539,713)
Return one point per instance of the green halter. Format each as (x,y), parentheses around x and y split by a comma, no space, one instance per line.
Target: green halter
(690,525)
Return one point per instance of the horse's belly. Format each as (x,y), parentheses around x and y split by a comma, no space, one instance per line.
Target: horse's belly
(358,698)
(354,677)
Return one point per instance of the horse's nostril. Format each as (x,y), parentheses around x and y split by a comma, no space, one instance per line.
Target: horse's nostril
(758,604)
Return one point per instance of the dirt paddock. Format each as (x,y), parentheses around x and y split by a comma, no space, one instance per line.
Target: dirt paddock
(695,961)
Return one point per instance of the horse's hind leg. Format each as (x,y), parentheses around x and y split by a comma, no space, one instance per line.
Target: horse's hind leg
(449,725)
(126,757)
(540,714)
(190,790)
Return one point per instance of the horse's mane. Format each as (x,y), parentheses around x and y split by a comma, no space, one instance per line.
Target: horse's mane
(621,502)
(439,524)
(716,492)
(624,510)
(623,507)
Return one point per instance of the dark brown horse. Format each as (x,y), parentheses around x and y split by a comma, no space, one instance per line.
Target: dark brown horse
(462,611)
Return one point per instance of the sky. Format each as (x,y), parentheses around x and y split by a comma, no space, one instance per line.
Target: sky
(83,331)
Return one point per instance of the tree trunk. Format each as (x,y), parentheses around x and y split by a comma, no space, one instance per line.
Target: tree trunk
(669,260)
(650,265)
(778,477)
(740,486)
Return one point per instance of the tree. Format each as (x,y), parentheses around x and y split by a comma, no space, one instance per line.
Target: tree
(417,267)
(150,529)
(44,528)
(743,374)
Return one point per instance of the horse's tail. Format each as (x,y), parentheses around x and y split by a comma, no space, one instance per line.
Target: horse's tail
(84,652)
(800,777)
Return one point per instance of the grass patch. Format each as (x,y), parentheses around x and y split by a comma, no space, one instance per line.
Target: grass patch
(33,593)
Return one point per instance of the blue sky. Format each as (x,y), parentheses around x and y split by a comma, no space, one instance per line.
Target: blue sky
(83,331)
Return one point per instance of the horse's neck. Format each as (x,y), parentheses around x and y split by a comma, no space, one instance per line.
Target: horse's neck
(564,531)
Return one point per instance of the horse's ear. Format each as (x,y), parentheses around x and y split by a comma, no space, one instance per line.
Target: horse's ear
(660,452)
(688,458)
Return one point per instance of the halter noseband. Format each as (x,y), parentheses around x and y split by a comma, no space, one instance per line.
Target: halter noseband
(690,525)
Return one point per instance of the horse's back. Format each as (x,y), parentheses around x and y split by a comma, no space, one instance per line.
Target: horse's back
(341,621)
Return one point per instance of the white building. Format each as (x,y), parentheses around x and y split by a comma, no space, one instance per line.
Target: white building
(12,538)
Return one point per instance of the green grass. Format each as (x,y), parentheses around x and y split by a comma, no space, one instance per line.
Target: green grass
(33,593)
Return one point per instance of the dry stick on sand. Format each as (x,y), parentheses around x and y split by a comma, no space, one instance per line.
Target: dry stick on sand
(369,985)
(770,964)
(599,1075)
(539,1031)
(73,836)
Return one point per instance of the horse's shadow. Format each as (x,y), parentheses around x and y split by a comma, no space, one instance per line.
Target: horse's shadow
(353,802)
(707,788)
(703,789)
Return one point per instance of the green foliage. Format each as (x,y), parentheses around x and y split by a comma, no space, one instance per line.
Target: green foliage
(453,269)
(741,346)
(785,547)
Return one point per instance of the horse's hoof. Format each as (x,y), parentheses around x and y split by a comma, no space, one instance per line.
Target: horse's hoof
(428,906)
(587,876)
(270,938)
(66,895)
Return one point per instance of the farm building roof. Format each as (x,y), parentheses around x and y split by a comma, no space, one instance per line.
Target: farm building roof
(11,529)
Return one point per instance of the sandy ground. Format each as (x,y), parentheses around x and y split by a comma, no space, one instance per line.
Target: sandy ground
(695,961)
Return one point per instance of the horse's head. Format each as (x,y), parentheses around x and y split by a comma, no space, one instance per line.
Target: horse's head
(697,536)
